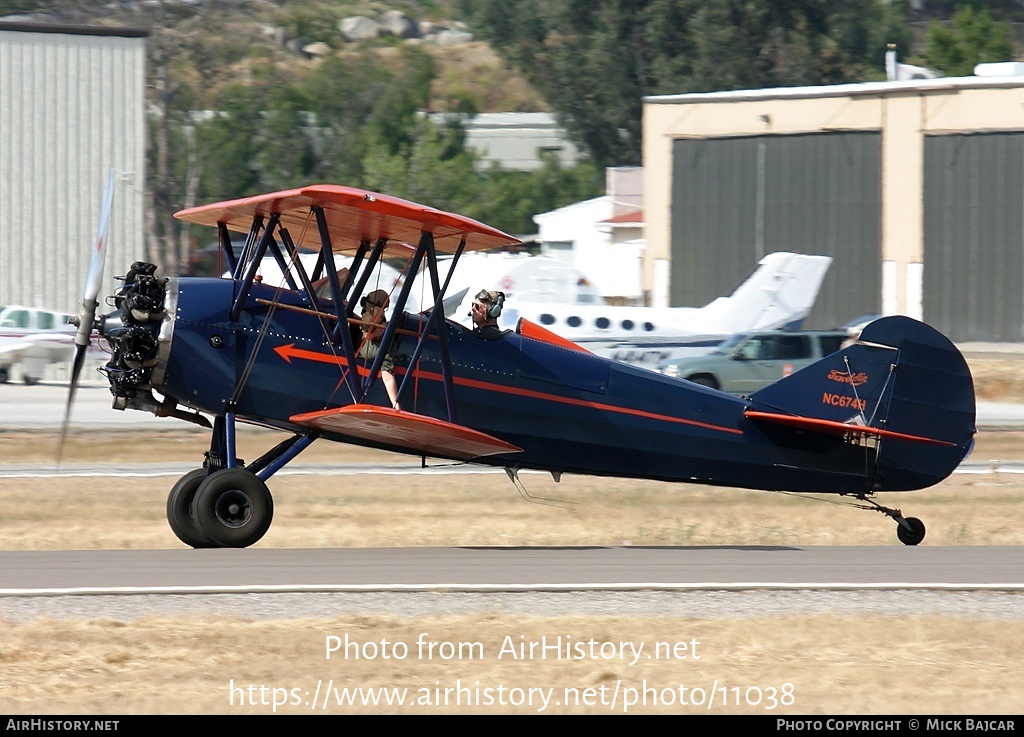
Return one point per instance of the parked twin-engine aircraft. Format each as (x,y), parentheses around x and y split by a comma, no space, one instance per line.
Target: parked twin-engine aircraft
(894,412)
(33,338)
(778,295)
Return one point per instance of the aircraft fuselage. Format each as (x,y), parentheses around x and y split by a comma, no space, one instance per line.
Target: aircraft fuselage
(568,410)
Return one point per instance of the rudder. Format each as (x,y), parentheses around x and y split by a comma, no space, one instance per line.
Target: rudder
(901,376)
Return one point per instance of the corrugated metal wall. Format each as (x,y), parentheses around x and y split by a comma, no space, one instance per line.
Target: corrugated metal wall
(736,199)
(71,106)
(974,236)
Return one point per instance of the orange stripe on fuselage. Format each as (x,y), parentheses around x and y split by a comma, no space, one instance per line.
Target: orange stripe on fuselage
(533,394)
(289,351)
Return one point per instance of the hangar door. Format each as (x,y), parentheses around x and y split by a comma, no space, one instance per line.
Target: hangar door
(736,199)
(974,236)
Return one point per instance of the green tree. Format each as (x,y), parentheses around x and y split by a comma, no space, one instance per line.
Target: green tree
(284,157)
(509,199)
(230,137)
(361,103)
(9,7)
(595,60)
(426,170)
(972,37)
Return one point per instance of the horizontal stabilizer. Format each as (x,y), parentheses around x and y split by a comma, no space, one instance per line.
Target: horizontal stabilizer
(837,428)
(407,430)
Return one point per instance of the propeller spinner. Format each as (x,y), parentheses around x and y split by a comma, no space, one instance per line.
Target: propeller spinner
(86,317)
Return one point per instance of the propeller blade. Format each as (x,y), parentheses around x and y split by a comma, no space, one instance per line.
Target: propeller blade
(94,279)
(86,316)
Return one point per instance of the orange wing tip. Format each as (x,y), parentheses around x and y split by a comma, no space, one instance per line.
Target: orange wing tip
(408,430)
(838,428)
(534,331)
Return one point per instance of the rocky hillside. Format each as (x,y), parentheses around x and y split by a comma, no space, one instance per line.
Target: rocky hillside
(232,35)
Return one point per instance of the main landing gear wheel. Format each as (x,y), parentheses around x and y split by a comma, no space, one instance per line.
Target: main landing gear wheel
(180,514)
(910,530)
(233,508)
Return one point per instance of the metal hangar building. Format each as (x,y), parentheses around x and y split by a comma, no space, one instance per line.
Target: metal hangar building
(72,105)
(915,188)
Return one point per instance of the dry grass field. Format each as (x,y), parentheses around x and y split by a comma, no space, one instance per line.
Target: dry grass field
(433,507)
(748,663)
(792,664)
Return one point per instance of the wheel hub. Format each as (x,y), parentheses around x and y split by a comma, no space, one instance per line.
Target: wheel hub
(234,508)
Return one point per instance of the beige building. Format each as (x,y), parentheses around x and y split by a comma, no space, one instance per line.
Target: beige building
(915,188)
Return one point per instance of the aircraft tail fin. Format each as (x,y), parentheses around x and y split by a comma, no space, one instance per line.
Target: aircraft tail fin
(903,388)
(779,294)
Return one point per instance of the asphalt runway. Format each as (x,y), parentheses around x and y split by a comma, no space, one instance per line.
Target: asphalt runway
(62,581)
(691,582)
(647,568)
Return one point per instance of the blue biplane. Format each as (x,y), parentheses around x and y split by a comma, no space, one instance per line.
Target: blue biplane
(893,412)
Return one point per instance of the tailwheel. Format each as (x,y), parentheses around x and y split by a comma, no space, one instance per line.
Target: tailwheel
(233,508)
(181,510)
(910,530)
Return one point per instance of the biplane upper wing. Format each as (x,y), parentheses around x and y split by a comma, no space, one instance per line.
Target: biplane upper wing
(407,430)
(352,215)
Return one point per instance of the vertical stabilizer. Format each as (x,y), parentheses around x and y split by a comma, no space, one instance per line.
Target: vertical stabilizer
(901,377)
(780,293)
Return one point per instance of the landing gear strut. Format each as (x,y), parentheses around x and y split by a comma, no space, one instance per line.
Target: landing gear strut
(227,504)
(909,530)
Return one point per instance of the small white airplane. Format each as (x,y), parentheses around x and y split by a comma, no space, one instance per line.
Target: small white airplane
(779,294)
(32,339)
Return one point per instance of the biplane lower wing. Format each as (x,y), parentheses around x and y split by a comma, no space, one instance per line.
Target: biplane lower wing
(830,427)
(408,430)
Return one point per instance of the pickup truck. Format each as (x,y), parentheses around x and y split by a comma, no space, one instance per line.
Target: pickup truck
(746,362)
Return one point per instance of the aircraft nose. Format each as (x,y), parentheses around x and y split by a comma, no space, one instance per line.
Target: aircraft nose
(109,323)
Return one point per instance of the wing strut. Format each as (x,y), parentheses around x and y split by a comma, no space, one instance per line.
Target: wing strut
(261,237)
(438,309)
(254,265)
(425,249)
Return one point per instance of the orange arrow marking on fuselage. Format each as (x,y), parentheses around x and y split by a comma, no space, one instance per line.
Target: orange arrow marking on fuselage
(288,352)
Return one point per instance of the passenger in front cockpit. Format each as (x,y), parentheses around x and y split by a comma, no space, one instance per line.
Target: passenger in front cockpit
(373,324)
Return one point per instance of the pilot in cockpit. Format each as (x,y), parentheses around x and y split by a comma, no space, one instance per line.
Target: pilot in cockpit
(486,309)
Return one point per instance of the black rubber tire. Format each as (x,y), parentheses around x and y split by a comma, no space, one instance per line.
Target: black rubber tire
(912,536)
(704,380)
(234,508)
(180,510)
